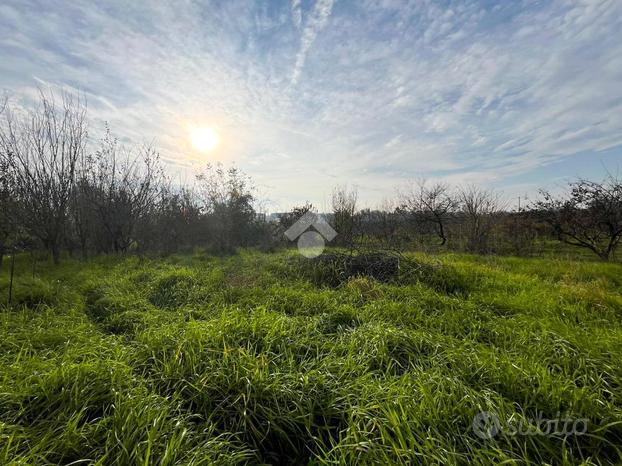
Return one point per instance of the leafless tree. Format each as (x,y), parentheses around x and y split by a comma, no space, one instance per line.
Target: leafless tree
(387,223)
(228,200)
(287,219)
(588,216)
(41,149)
(7,208)
(431,204)
(3,103)
(480,208)
(122,187)
(380,227)
(344,202)
(176,222)
(83,219)
(6,197)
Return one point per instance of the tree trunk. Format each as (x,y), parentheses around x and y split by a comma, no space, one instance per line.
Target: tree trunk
(56,254)
(605,255)
(441,233)
(11,278)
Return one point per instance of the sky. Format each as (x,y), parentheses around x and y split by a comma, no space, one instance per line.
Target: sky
(309,94)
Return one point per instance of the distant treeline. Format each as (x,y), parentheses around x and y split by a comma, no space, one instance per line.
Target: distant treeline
(58,195)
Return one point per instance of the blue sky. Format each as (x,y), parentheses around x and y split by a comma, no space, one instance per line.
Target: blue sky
(308,94)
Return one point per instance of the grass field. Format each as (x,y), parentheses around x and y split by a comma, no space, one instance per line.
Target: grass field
(241,360)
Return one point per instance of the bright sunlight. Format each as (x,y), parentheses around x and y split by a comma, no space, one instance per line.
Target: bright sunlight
(204,139)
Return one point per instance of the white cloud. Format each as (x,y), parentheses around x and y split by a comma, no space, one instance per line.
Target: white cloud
(366,92)
(296,13)
(316,22)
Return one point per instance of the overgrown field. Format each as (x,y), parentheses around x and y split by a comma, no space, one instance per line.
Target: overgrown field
(245,360)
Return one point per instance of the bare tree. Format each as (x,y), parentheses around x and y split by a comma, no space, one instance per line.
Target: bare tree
(520,231)
(176,222)
(82,215)
(344,214)
(287,219)
(480,208)
(7,208)
(6,197)
(41,149)
(431,204)
(228,198)
(589,216)
(122,188)
(387,223)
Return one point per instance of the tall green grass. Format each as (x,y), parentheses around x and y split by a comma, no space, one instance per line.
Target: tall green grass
(245,360)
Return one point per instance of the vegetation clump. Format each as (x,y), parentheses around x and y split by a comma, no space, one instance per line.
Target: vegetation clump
(336,268)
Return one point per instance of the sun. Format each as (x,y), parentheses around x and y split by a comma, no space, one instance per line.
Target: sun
(204,139)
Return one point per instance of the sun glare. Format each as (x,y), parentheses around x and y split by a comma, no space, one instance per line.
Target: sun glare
(204,139)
